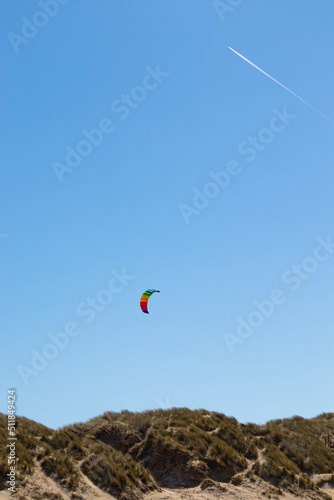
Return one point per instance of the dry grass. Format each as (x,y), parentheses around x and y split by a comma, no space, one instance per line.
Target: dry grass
(127,453)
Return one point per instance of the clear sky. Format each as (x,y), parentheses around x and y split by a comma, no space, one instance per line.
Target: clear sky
(133,141)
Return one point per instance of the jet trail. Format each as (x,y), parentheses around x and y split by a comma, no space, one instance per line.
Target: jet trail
(281,84)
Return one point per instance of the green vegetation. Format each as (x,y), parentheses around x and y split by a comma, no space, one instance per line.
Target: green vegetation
(308,443)
(62,468)
(127,453)
(113,472)
(276,467)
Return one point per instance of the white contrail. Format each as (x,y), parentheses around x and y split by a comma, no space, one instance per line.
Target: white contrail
(281,84)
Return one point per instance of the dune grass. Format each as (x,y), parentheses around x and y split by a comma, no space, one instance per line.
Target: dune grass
(126,453)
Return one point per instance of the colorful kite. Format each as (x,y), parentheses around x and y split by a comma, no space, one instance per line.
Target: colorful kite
(144,299)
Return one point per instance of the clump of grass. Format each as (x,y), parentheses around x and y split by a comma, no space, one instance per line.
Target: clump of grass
(305,442)
(113,472)
(65,441)
(276,468)
(251,450)
(305,482)
(61,467)
(25,459)
(225,455)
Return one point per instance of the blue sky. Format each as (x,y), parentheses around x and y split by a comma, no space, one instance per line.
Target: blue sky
(191,108)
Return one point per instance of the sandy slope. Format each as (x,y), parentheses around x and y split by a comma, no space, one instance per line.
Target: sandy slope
(38,484)
(246,491)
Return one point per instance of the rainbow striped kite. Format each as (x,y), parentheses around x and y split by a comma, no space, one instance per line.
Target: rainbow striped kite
(144,299)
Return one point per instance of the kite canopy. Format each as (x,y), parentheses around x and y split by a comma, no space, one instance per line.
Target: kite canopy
(144,299)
